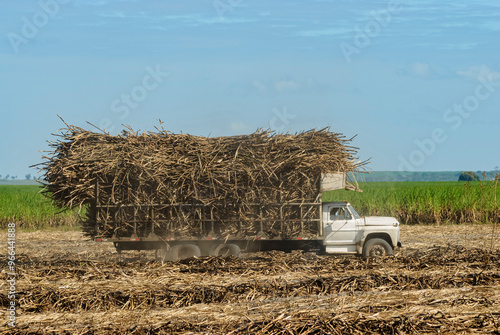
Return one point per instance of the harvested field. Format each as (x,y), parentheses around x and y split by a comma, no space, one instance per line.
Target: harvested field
(445,280)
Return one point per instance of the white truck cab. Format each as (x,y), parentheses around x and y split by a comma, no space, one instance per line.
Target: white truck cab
(346,232)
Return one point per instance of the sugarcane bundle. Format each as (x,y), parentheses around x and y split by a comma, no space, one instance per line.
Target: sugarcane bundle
(189,178)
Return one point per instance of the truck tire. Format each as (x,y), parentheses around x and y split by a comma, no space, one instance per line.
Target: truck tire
(183,251)
(226,250)
(377,247)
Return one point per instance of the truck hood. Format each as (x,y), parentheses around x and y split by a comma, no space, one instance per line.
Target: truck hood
(379,220)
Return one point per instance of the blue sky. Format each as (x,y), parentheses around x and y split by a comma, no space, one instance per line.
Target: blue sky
(418,82)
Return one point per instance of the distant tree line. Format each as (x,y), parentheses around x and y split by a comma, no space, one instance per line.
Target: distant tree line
(8,176)
(376,176)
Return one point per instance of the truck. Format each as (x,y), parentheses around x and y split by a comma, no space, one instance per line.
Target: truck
(320,227)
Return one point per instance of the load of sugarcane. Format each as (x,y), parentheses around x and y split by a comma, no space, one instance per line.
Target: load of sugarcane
(183,185)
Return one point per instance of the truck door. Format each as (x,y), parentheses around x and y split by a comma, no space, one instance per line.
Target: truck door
(340,229)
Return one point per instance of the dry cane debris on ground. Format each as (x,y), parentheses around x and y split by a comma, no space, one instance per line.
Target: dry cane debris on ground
(446,280)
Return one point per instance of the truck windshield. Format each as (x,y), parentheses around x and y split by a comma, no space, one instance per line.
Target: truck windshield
(354,213)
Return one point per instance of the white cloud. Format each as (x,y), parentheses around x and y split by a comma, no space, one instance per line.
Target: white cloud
(186,17)
(286,85)
(196,19)
(282,85)
(92,24)
(157,28)
(283,26)
(325,32)
(457,46)
(491,25)
(120,15)
(422,69)
(239,126)
(482,71)
(259,85)
(193,19)
(214,19)
(91,3)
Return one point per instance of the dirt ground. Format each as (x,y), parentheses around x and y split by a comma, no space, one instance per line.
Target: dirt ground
(445,279)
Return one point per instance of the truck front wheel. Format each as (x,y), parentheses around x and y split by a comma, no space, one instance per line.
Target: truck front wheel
(377,247)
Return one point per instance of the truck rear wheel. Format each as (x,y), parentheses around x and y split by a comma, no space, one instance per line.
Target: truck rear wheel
(183,251)
(377,247)
(226,250)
